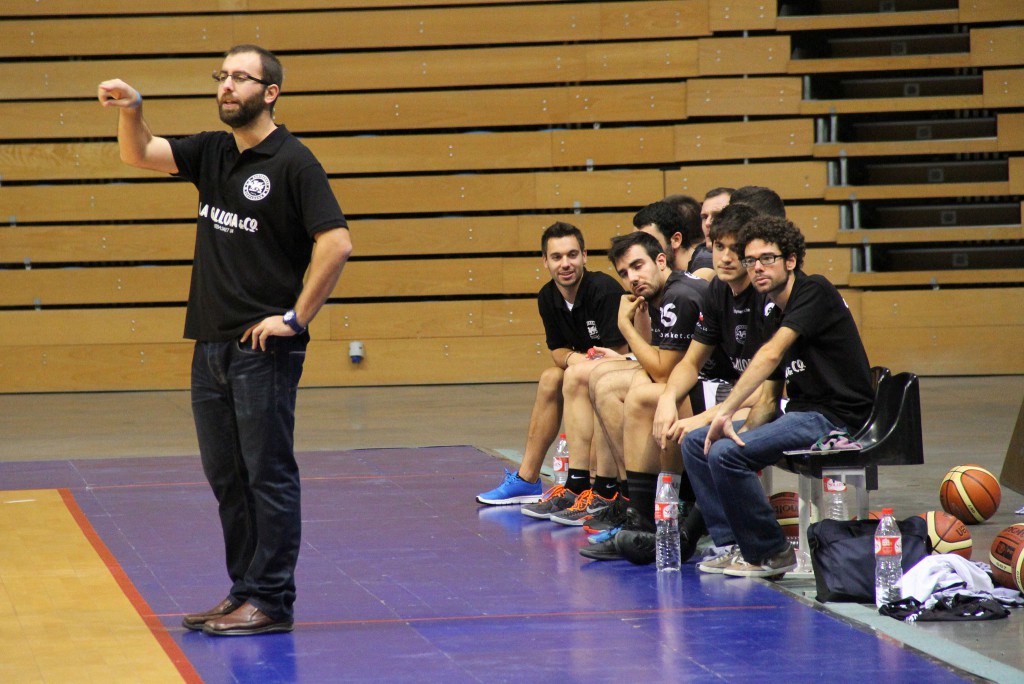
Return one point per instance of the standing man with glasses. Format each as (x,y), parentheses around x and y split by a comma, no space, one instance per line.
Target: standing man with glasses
(266,214)
(812,348)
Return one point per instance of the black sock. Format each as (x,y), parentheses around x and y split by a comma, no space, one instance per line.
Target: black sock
(606,487)
(642,492)
(624,489)
(578,481)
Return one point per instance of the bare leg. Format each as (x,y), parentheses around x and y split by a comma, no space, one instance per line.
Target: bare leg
(608,394)
(579,412)
(545,420)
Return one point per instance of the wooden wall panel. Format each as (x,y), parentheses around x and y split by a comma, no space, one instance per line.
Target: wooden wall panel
(368,111)
(434,361)
(979,11)
(359,30)
(1001,46)
(980,350)
(792,180)
(1003,87)
(747,55)
(818,222)
(46,8)
(729,15)
(744,140)
(364,71)
(744,96)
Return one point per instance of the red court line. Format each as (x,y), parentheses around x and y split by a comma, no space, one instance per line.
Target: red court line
(527,616)
(163,637)
(322,478)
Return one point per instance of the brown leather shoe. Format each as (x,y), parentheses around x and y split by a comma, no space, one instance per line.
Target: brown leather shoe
(246,619)
(195,621)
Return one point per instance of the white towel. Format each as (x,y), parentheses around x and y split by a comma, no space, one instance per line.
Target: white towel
(942,572)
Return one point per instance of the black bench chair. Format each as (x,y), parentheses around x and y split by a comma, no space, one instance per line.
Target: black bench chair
(891,436)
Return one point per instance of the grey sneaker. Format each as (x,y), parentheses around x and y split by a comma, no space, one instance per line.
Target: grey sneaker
(773,566)
(587,505)
(718,564)
(556,499)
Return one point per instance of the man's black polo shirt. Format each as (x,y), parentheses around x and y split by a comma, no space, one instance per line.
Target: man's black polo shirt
(593,320)
(258,213)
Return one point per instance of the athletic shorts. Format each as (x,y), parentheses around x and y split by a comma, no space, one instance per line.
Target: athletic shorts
(708,393)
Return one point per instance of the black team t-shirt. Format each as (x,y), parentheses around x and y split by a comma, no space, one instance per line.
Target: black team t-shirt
(593,321)
(725,324)
(826,369)
(258,213)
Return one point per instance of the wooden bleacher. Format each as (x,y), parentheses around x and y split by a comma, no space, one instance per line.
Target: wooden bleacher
(454,131)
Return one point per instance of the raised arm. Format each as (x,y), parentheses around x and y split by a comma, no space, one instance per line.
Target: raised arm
(138,146)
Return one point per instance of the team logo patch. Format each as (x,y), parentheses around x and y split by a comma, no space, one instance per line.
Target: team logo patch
(741,334)
(256,187)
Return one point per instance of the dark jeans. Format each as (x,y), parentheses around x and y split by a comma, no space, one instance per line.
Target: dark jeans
(729,493)
(243,403)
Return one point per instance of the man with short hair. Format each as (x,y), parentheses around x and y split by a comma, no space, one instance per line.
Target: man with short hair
(671,301)
(578,309)
(812,350)
(714,359)
(266,215)
(691,235)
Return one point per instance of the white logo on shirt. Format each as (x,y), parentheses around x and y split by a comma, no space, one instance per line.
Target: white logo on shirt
(668,316)
(256,187)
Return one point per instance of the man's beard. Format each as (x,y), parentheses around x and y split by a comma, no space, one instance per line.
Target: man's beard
(246,113)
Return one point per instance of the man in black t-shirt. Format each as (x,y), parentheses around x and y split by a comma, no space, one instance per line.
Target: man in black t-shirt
(266,214)
(812,348)
(578,308)
(670,301)
(719,350)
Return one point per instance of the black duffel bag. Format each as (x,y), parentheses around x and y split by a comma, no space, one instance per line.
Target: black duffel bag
(843,556)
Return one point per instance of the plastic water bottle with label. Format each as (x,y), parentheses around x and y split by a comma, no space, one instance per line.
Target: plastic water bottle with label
(560,461)
(835,499)
(888,560)
(666,518)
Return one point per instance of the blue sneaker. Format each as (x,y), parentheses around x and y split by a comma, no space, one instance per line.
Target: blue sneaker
(603,536)
(514,490)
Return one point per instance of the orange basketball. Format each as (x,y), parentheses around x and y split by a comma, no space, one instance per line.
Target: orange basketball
(948,534)
(971,493)
(787,512)
(1007,557)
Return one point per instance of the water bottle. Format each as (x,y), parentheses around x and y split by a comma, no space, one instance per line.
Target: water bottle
(666,518)
(888,560)
(560,461)
(835,499)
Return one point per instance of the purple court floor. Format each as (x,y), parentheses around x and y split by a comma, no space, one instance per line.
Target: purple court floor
(403,578)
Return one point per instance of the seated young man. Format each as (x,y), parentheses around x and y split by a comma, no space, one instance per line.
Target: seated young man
(579,309)
(713,361)
(670,300)
(811,347)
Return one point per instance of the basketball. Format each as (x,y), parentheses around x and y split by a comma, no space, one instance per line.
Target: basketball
(787,512)
(948,534)
(1007,557)
(971,493)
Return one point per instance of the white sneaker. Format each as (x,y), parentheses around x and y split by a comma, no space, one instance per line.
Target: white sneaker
(772,566)
(718,564)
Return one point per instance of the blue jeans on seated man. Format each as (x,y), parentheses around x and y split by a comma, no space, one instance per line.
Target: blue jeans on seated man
(729,493)
(243,404)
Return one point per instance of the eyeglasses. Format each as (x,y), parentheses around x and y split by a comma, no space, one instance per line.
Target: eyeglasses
(765,259)
(238,77)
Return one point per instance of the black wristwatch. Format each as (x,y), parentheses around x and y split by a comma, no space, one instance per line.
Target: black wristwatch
(292,322)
